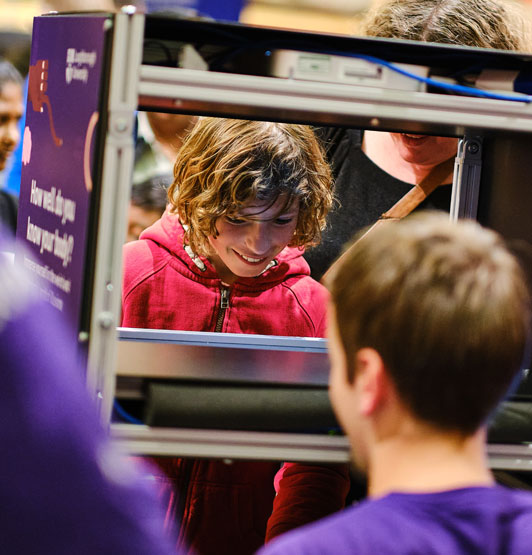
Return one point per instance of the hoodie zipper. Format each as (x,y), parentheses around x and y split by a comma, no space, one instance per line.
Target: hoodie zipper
(224,305)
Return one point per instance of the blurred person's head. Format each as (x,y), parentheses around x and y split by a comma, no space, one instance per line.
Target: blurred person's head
(11,109)
(147,204)
(479,23)
(430,316)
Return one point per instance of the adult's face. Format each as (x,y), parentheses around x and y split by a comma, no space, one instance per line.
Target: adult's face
(11,109)
(424,150)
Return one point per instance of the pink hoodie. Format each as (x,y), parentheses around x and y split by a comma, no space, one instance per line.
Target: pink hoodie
(164,288)
(223,508)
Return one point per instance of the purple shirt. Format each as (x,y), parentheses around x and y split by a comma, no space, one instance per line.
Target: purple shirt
(63,488)
(469,521)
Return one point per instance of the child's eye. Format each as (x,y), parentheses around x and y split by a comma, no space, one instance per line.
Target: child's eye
(234,221)
(283,221)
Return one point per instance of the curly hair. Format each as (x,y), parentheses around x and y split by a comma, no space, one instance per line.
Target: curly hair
(481,23)
(225,163)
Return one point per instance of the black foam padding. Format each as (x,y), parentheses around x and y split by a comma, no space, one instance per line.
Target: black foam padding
(239,407)
(512,423)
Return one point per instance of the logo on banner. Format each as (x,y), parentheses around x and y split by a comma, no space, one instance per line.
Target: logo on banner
(79,62)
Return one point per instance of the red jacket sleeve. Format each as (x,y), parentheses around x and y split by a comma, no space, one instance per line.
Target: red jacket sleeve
(305,493)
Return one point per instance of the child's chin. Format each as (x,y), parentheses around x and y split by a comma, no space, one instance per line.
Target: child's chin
(251,272)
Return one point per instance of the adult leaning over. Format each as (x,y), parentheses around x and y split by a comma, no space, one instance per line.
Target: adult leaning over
(374,169)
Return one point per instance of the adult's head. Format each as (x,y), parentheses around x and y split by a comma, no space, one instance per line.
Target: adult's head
(479,23)
(443,308)
(11,109)
(147,204)
(227,166)
(171,126)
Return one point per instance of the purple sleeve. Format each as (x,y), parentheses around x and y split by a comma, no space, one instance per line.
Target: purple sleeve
(64,488)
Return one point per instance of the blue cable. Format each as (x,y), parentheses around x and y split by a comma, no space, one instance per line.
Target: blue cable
(446,86)
(293,45)
(125,415)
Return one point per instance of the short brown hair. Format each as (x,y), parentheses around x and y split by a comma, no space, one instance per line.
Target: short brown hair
(446,306)
(480,23)
(224,163)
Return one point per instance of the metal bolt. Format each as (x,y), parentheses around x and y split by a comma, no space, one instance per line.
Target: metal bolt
(374,122)
(106,320)
(120,125)
(473,147)
(129,9)
(83,337)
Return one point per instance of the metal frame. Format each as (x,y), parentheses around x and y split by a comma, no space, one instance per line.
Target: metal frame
(334,104)
(466,179)
(115,192)
(231,444)
(227,340)
(272,446)
(206,92)
(510,457)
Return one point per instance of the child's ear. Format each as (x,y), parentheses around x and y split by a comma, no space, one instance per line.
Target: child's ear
(371,381)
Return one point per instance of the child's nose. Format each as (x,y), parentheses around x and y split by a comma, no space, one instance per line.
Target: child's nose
(258,239)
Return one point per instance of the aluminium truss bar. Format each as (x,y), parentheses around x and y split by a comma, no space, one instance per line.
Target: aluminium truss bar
(315,102)
(310,448)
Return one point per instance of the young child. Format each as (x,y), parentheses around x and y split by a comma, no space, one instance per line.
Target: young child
(226,256)
(242,192)
(429,323)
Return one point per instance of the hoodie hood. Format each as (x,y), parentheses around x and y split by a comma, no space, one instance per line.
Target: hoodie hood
(168,232)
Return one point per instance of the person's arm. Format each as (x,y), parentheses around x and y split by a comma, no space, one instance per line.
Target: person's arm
(65,488)
(305,493)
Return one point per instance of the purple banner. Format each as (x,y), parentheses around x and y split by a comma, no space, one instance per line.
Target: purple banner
(64,89)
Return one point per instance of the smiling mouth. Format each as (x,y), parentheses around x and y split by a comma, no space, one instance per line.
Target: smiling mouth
(413,137)
(249,259)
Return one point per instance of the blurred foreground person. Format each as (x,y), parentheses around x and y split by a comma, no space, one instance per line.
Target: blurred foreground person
(63,488)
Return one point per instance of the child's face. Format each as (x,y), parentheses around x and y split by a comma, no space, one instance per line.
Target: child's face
(250,240)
